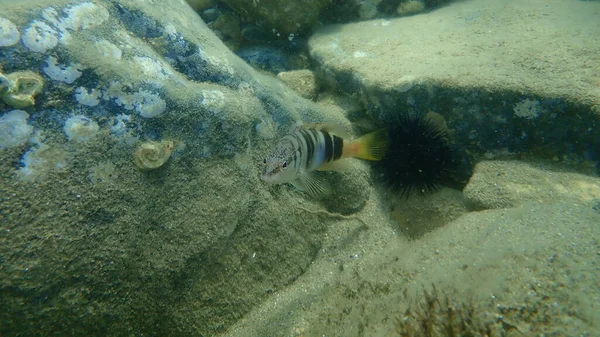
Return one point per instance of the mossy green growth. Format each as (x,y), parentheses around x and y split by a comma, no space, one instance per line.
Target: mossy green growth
(447,314)
(284,16)
(439,314)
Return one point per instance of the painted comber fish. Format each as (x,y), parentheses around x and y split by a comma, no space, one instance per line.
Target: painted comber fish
(315,147)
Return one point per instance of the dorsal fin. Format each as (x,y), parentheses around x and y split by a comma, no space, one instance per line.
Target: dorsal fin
(334,128)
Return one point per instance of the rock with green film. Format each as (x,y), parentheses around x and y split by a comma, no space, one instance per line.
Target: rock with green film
(130,196)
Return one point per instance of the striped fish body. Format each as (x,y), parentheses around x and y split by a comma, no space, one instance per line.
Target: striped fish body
(312,148)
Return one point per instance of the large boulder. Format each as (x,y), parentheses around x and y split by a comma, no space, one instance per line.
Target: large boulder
(91,244)
(506,78)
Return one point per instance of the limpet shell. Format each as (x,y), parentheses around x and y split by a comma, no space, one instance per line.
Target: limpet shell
(152,155)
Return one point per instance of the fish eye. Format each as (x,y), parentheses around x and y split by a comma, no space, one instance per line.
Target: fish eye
(284,164)
(265,161)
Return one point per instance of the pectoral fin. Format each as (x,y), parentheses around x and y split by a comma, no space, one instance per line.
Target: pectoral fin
(312,183)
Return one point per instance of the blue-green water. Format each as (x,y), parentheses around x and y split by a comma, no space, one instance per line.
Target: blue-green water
(132,141)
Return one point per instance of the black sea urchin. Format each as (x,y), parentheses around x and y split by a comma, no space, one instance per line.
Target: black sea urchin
(419,158)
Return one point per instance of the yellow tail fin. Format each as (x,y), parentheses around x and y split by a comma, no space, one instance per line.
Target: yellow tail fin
(372,146)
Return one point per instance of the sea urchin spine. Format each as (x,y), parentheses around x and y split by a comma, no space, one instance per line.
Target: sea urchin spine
(420,157)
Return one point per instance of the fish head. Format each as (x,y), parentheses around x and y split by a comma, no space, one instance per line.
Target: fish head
(279,166)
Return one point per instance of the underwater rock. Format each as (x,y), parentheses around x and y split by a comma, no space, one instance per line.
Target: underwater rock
(303,81)
(350,191)
(209,15)
(368,9)
(152,155)
(265,129)
(503,184)
(227,27)
(255,35)
(81,234)
(478,81)
(410,7)
(199,5)
(19,89)
(284,17)
(271,59)
(93,248)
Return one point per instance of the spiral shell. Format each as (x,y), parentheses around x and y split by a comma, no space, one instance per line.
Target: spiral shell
(19,89)
(152,155)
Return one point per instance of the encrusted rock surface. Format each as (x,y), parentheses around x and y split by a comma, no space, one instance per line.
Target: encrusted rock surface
(89,244)
(303,82)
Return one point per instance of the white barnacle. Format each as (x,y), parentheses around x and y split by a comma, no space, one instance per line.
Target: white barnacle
(151,68)
(14,130)
(87,97)
(75,18)
(39,37)
(80,128)
(84,16)
(61,72)
(9,34)
(149,104)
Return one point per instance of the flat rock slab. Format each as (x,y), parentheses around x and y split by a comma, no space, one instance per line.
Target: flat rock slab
(504,184)
(546,48)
